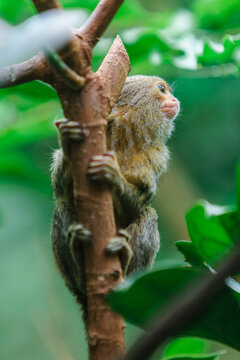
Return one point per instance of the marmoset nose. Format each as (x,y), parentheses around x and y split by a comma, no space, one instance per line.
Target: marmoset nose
(170,108)
(172,102)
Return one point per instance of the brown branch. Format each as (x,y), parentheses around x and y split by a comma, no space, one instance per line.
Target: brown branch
(44,5)
(68,76)
(34,69)
(75,53)
(185,311)
(113,71)
(99,20)
(37,68)
(93,203)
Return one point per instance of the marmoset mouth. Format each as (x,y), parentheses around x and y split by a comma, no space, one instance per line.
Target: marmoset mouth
(170,110)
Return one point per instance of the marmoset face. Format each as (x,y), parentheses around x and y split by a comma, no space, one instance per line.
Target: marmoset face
(147,93)
(169,105)
(149,102)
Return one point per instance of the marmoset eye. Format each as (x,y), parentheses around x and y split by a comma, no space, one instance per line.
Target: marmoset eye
(161,88)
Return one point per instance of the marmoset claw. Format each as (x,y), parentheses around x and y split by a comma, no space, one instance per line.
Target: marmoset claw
(119,244)
(77,231)
(104,167)
(77,235)
(70,129)
(58,122)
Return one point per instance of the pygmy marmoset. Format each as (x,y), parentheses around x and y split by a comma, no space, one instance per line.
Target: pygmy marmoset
(139,125)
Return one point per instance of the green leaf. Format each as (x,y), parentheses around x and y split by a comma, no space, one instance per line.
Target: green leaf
(213,230)
(148,284)
(185,345)
(231,223)
(189,251)
(189,348)
(142,296)
(214,356)
(215,53)
(219,53)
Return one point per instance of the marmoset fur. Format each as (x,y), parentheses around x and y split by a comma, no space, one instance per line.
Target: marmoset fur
(138,127)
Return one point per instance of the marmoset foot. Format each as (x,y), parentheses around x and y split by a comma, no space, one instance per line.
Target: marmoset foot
(105,168)
(119,244)
(77,236)
(70,129)
(78,232)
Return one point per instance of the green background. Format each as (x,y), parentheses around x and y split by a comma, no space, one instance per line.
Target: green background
(38,316)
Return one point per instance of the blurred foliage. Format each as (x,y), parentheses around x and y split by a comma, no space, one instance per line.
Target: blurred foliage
(196,44)
(213,231)
(185,38)
(164,284)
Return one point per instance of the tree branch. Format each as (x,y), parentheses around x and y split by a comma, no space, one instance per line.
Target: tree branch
(34,69)
(93,202)
(44,5)
(38,68)
(99,20)
(113,71)
(70,77)
(76,54)
(185,311)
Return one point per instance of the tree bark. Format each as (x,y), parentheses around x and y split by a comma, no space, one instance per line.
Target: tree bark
(93,203)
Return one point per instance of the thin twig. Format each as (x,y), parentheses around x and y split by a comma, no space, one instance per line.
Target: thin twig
(185,311)
(70,77)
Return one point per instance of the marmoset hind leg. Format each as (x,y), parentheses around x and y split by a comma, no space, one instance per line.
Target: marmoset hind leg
(66,236)
(144,240)
(143,235)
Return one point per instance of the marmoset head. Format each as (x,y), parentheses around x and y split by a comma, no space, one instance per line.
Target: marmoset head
(148,100)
